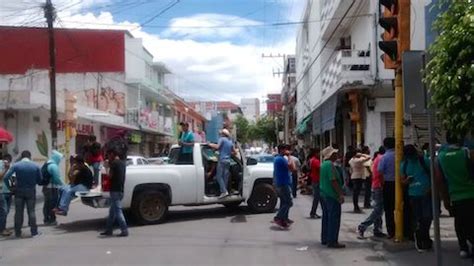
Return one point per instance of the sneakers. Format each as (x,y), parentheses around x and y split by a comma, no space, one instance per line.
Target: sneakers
(106,233)
(289,221)
(360,233)
(420,245)
(314,216)
(36,234)
(123,234)
(380,234)
(357,210)
(6,233)
(60,212)
(282,224)
(223,195)
(464,254)
(336,245)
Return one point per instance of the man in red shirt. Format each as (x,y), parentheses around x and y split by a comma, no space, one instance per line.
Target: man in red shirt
(315,166)
(375,217)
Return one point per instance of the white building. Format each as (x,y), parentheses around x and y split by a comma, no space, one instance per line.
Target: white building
(337,55)
(250,108)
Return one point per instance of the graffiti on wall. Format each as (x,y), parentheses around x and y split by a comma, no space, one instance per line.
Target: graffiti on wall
(107,100)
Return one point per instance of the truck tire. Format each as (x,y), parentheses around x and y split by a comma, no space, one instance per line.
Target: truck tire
(263,199)
(150,207)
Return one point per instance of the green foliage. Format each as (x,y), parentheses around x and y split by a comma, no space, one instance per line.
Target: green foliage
(42,144)
(242,126)
(263,130)
(450,73)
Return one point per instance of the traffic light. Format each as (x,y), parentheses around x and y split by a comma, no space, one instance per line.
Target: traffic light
(70,107)
(395,20)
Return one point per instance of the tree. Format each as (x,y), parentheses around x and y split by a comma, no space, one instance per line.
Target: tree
(265,129)
(242,127)
(450,73)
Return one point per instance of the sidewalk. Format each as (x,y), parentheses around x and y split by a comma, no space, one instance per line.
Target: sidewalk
(396,253)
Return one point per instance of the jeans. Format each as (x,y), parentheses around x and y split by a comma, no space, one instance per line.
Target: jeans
(294,184)
(25,197)
(116,213)
(422,217)
(316,199)
(389,206)
(284,193)
(68,193)
(331,221)
(222,174)
(3,212)
(96,170)
(375,217)
(463,221)
(368,191)
(357,186)
(51,196)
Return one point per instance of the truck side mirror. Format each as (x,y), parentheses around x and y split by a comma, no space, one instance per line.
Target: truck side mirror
(251,161)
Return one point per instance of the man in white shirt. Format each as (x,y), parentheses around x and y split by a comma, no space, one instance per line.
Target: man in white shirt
(358,176)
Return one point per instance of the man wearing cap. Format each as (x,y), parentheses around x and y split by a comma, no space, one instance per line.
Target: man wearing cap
(332,197)
(186,142)
(282,168)
(225,147)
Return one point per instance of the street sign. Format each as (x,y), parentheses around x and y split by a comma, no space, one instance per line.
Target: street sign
(414,92)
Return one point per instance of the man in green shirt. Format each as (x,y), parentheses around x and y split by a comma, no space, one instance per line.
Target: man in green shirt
(186,142)
(457,189)
(332,197)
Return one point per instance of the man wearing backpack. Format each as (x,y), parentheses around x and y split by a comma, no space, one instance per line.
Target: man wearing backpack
(51,183)
(455,176)
(28,175)
(416,174)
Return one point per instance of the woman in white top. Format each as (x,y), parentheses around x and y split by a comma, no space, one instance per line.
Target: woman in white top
(358,176)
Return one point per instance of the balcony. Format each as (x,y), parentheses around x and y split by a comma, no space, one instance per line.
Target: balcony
(331,13)
(347,67)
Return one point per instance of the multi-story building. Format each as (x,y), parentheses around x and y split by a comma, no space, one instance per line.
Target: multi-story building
(274,104)
(250,108)
(117,85)
(344,94)
(288,95)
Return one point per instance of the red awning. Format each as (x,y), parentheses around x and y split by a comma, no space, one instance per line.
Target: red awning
(5,136)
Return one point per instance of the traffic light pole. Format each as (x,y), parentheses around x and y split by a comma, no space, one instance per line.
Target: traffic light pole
(398,155)
(49,15)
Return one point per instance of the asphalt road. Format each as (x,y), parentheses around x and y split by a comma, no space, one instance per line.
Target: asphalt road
(210,235)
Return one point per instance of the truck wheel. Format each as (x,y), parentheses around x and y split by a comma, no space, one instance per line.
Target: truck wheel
(263,199)
(150,207)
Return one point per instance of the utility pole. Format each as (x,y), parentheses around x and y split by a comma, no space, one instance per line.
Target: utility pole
(50,14)
(395,19)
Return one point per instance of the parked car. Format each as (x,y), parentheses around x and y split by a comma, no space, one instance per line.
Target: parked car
(264,158)
(137,160)
(149,190)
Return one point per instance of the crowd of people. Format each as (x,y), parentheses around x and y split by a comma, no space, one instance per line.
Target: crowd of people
(19,180)
(331,175)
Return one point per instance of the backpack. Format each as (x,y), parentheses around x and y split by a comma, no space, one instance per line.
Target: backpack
(45,175)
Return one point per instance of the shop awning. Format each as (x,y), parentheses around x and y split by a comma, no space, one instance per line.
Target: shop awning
(303,126)
(324,117)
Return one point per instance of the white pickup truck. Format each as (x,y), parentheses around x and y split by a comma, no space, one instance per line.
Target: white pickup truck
(150,189)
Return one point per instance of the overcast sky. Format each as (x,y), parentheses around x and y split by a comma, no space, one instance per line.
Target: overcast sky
(213,47)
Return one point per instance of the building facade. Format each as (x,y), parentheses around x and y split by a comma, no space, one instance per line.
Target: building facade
(344,94)
(250,108)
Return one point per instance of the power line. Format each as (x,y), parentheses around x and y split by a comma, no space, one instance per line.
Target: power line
(275,24)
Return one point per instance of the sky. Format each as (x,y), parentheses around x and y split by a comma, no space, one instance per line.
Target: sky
(213,47)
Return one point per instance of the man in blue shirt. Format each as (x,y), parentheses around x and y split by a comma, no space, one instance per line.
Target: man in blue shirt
(186,142)
(28,175)
(387,170)
(282,167)
(225,147)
